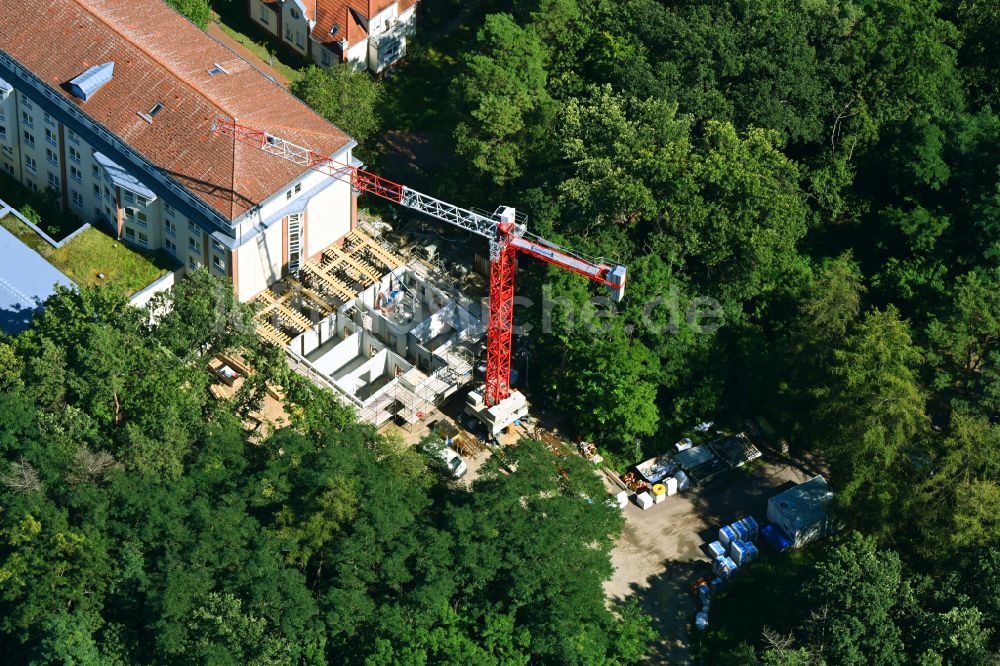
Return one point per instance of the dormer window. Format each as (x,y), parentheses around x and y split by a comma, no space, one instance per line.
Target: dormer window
(295,14)
(334,30)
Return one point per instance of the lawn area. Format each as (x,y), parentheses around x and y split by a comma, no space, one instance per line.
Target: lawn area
(93,252)
(54,221)
(232,19)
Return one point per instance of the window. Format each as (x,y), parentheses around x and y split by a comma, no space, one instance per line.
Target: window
(192,227)
(50,136)
(141,201)
(8,150)
(215,71)
(26,102)
(298,39)
(32,186)
(171,227)
(325,58)
(3,116)
(74,154)
(130,214)
(129,199)
(193,263)
(29,138)
(77,198)
(168,209)
(156,109)
(171,246)
(130,233)
(29,122)
(30,164)
(49,121)
(264,18)
(76,174)
(288,195)
(295,14)
(9,167)
(72,136)
(141,217)
(289,35)
(143,239)
(217,246)
(94,170)
(194,245)
(298,187)
(51,156)
(97,190)
(3,133)
(53,181)
(218,263)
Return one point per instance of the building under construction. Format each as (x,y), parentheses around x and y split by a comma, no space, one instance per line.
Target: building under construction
(393,337)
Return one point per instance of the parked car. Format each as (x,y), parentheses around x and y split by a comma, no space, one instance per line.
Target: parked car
(456,466)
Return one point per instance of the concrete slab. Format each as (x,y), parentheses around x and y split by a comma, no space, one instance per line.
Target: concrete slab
(26,280)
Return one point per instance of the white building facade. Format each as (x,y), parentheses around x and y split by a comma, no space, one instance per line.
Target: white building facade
(367,34)
(51,139)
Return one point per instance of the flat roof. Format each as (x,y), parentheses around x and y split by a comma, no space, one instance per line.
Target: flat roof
(806,504)
(26,280)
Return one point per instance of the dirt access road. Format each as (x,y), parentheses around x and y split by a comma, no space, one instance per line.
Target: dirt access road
(662,549)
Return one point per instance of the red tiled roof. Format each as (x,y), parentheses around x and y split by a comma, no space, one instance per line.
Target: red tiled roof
(338,13)
(162,58)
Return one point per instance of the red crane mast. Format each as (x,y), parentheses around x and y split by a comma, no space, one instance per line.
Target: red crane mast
(504,229)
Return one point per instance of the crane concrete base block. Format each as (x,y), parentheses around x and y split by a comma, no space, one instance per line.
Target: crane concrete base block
(500,415)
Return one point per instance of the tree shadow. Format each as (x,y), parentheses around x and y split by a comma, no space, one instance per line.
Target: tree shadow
(667,598)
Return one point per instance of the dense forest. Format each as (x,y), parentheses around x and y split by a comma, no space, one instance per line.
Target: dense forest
(822,175)
(828,173)
(141,522)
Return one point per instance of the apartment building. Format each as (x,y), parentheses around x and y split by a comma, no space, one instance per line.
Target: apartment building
(368,34)
(120,126)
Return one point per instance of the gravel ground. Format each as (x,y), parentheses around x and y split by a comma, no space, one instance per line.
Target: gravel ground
(662,549)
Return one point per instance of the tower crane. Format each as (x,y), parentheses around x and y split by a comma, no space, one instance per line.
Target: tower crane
(505,230)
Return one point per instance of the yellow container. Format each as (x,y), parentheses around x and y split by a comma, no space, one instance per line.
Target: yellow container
(659,489)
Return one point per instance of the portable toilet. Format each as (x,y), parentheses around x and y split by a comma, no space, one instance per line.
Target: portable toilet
(752,528)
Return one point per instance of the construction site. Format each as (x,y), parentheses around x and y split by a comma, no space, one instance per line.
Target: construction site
(388,328)
(392,333)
